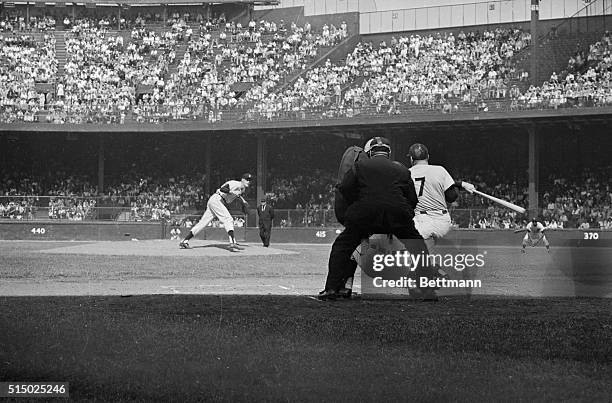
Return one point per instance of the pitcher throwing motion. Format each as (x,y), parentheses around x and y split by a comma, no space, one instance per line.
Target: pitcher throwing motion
(217,207)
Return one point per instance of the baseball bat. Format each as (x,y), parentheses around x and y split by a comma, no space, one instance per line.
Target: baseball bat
(504,203)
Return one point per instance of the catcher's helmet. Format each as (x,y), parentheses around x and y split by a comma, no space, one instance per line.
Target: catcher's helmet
(377,145)
(418,151)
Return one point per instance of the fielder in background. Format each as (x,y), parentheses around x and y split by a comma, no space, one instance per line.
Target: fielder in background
(381,199)
(534,233)
(435,188)
(265,214)
(217,207)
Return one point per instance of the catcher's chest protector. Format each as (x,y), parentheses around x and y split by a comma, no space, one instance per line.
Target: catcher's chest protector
(349,158)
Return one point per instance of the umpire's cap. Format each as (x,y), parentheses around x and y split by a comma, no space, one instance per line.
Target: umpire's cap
(377,145)
(418,151)
(247,176)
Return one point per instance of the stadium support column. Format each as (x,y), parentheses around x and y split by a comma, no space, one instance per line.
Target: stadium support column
(251,9)
(533,170)
(262,156)
(207,169)
(207,11)
(535,15)
(100,163)
(3,146)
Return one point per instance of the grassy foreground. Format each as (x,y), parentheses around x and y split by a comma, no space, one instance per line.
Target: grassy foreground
(273,348)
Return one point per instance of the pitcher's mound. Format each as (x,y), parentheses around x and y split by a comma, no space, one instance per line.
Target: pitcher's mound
(166,248)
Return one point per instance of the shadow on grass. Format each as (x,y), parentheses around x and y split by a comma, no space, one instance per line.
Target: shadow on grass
(223,246)
(253,347)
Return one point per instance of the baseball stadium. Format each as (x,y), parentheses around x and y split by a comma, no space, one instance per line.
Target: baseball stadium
(306,200)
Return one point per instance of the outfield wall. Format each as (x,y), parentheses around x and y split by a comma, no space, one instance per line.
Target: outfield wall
(79,231)
(117,231)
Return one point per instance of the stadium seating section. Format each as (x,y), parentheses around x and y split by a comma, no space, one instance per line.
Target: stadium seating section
(109,70)
(88,71)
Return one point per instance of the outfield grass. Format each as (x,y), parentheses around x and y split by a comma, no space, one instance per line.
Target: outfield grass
(245,348)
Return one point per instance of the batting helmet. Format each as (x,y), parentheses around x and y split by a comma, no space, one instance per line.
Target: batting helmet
(418,151)
(378,145)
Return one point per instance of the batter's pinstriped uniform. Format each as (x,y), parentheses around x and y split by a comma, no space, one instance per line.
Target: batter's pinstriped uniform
(435,188)
(431,217)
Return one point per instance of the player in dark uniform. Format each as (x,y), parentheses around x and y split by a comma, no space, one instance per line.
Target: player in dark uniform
(381,199)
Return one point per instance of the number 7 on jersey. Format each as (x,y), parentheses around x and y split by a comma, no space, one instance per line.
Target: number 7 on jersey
(422,180)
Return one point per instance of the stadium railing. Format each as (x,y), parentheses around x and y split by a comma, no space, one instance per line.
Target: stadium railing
(433,108)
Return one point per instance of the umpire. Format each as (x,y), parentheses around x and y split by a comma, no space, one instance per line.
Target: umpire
(381,198)
(266,216)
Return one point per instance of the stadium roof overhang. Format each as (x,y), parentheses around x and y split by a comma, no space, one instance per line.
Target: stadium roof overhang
(137,3)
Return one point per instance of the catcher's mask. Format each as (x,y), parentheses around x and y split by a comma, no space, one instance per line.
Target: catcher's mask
(377,146)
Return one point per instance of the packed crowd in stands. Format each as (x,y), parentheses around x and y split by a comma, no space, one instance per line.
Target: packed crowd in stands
(103,72)
(487,214)
(76,198)
(18,209)
(197,68)
(24,62)
(258,56)
(110,76)
(583,200)
(433,71)
(17,22)
(154,199)
(74,209)
(587,81)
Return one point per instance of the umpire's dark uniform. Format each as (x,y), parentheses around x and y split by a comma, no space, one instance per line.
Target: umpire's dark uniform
(266,216)
(381,198)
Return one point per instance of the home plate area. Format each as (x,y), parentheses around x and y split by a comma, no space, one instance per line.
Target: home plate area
(166,248)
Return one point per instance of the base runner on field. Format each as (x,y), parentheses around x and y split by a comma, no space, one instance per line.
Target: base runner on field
(217,207)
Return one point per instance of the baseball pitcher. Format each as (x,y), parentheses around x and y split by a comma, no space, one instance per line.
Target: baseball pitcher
(217,207)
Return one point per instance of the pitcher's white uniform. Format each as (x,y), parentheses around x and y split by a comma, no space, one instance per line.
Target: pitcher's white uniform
(431,217)
(217,207)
